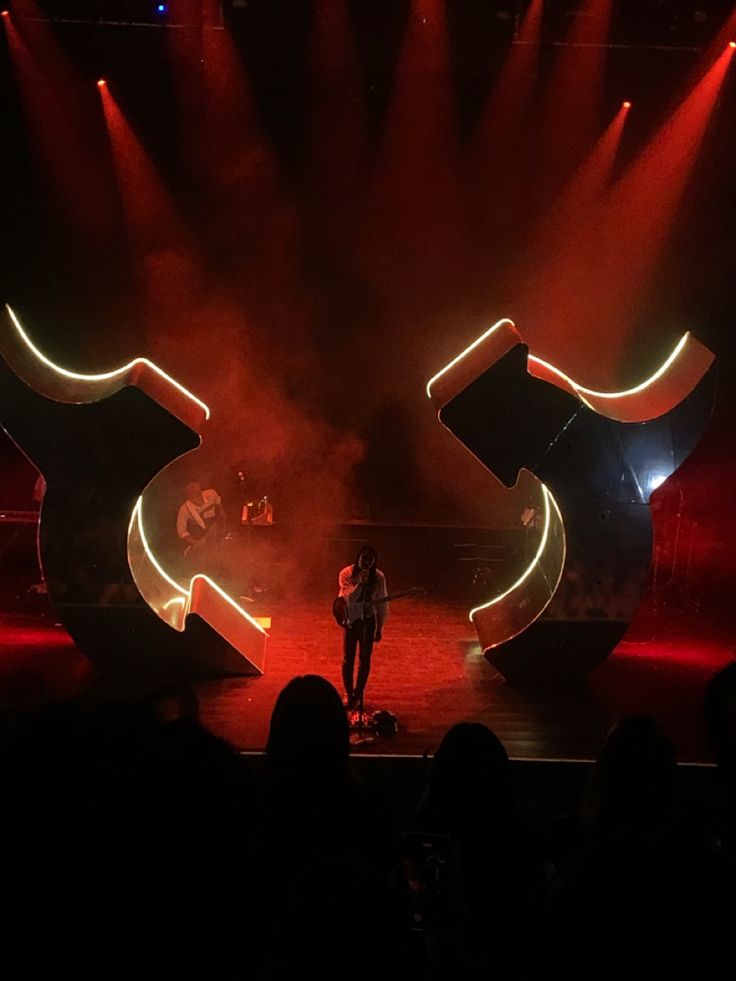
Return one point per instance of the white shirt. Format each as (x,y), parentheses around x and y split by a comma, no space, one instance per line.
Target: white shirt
(351,590)
(199,515)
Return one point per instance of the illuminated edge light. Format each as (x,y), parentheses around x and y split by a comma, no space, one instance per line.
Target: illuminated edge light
(463,354)
(548,497)
(136,521)
(105,375)
(172,602)
(581,390)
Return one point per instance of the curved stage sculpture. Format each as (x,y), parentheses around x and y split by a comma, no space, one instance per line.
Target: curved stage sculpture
(597,456)
(99,440)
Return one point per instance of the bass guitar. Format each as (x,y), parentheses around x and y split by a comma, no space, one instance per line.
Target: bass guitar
(340,604)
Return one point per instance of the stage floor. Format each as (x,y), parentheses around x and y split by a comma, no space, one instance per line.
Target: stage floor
(428,671)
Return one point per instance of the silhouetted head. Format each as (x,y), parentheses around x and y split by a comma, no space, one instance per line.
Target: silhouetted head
(309,729)
(470,772)
(193,491)
(635,773)
(367,558)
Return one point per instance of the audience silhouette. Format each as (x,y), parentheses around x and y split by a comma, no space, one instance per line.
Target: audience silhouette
(642,886)
(121,837)
(336,892)
(485,868)
(133,838)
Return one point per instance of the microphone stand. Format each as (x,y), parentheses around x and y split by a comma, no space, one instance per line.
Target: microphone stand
(363,636)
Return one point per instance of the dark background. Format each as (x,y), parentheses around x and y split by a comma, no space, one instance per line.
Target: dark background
(338,265)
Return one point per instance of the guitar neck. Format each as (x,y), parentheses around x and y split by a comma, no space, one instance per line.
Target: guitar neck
(393,596)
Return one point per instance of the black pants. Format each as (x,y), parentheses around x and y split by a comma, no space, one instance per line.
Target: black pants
(358,635)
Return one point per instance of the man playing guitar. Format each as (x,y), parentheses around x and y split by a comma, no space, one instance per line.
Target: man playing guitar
(363,587)
(200,518)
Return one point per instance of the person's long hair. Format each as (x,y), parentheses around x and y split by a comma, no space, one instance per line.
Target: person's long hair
(308,734)
(470,776)
(372,577)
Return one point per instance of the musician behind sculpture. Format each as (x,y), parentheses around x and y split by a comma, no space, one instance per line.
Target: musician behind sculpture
(200,523)
(362,586)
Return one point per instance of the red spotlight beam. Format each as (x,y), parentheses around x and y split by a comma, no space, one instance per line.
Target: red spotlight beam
(643,205)
(573,96)
(498,157)
(233,145)
(189,54)
(159,240)
(61,127)
(565,236)
(339,126)
(511,94)
(413,217)
(585,188)
(594,285)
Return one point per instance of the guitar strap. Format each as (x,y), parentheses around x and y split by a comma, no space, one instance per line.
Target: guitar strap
(195,515)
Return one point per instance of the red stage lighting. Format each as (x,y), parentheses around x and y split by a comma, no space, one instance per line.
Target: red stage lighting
(626,105)
(731,44)
(101,83)
(6,13)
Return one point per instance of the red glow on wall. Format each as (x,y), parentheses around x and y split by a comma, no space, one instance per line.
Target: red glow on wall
(338,126)
(592,178)
(506,105)
(499,154)
(162,251)
(412,225)
(242,175)
(556,267)
(575,89)
(61,124)
(185,50)
(642,207)
(601,255)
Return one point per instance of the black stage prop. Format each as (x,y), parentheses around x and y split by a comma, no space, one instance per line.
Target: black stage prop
(598,457)
(98,441)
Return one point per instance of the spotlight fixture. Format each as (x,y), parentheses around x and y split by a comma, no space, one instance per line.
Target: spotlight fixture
(6,13)
(101,83)
(626,105)
(732,44)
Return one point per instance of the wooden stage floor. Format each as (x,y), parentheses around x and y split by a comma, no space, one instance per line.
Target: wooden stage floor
(429,672)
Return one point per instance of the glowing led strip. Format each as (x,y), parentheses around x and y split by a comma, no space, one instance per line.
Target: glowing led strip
(136,519)
(105,375)
(459,358)
(530,568)
(581,390)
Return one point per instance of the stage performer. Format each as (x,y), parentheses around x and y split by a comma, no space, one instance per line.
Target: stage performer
(362,586)
(200,522)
